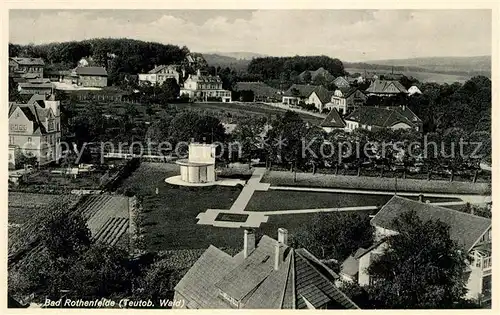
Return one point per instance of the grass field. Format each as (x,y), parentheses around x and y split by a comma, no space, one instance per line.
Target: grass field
(422,76)
(274,200)
(284,178)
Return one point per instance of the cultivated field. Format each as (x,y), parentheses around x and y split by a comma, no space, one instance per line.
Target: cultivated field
(24,206)
(107,217)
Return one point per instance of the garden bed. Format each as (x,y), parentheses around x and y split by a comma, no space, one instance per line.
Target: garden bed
(231,217)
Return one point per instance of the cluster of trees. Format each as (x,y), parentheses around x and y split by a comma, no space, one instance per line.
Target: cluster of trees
(70,265)
(119,56)
(421,267)
(466,106)
(280,72)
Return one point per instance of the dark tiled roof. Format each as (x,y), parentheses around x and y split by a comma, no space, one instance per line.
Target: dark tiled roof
(465,229)
(304,90)
(161,67)
(254,283)
(29,61)
(198,283)
(333,120)
(346,92)
(35,111)
(259,88)
(384,86)
(383,116)
(93,71)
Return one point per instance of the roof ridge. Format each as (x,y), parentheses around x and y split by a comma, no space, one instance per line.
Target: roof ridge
(290,260)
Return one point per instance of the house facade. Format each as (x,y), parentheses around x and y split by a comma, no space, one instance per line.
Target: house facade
(90,76)
(160,74)
(35,128)
(376,118)
(267,275)
(472,233)
(204,86)
(20,67)
(345,100)
(307,94)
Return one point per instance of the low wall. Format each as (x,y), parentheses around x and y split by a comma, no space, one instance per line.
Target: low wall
(282,178)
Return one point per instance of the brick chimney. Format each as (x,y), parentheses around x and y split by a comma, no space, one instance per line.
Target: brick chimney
(278,255)
(283,236)
(248,242)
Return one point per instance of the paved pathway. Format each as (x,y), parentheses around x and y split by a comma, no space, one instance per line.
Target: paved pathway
(256,218)
(246,193)
(466,198)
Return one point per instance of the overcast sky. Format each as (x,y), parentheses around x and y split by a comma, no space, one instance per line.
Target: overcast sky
(351,35)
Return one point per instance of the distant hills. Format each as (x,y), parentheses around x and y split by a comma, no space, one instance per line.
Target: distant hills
(465,65)
(239,55)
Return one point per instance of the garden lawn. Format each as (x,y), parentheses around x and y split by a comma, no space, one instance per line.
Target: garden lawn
(274,200)
(170,216)
(284,178)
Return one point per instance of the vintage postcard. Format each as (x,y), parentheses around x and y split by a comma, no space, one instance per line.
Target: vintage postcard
(249,158)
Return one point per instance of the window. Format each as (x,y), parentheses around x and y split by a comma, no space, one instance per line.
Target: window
(29,139)
(487,262)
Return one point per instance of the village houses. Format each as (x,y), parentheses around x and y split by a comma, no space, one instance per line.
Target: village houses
(21,67)
(35,128)
(374,118)
(161,73)
(266,275)
(345,100)
(472,233)
(204,86)
(316,95)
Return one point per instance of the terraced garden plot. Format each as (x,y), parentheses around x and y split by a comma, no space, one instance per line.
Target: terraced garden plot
(97,210)
(112,230)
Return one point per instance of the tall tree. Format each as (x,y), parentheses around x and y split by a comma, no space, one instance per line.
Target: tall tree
(421,267)
(335,235)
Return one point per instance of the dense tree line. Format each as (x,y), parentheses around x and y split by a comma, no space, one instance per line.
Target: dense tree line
(120,56)
(275,70)
(466,106)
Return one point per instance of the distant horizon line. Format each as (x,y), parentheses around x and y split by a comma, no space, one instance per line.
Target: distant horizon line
(263,55)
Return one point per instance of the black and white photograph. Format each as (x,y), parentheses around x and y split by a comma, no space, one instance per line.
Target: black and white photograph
(253,158)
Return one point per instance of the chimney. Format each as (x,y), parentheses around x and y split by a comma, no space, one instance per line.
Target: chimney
(283,236)
(198,72)
(278,255)
(248,242)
